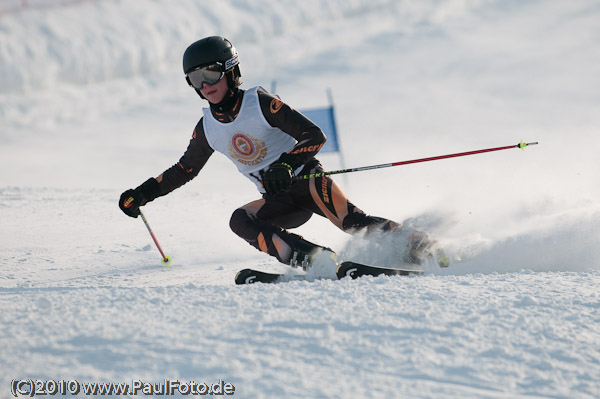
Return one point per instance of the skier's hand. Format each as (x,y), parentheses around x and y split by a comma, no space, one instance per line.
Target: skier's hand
(131,200)
(278,178)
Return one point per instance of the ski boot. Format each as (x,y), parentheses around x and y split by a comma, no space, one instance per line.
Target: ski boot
(421,248)
(305,253)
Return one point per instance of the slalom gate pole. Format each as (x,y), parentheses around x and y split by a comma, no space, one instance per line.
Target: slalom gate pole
(166,261)
(521,145)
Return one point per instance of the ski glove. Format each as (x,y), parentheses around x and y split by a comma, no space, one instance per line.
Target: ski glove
(278,178)
(131,200)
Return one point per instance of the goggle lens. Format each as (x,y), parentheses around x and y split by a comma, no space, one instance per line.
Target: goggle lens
(210,74)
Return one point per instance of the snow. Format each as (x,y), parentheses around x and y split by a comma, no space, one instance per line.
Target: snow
(93,101)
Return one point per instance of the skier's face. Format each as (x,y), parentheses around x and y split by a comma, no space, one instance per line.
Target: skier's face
(214,93)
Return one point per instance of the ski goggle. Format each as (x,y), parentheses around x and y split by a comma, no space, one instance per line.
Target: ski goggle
(210,74)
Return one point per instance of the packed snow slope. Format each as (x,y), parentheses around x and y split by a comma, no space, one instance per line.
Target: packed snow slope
(93,101)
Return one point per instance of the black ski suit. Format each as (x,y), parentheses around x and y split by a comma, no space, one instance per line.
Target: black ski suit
(264,222)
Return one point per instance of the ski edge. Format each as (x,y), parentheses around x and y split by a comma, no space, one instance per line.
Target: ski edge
(355,270)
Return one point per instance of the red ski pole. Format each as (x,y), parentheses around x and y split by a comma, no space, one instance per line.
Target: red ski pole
(166,261)
(521,145)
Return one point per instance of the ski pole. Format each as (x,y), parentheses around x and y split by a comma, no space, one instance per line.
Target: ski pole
(165,261)
(521,145)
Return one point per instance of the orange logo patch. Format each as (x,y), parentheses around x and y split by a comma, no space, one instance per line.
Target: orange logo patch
(276,105)
(128,202)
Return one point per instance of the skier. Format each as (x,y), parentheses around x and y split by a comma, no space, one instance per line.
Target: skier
(270,143)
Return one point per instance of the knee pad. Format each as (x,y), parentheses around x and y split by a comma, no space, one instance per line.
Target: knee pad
(241,224)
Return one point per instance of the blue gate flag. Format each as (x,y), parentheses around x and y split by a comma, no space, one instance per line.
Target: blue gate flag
(325,119)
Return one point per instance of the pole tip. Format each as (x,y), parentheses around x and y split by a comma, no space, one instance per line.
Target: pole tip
(166,261)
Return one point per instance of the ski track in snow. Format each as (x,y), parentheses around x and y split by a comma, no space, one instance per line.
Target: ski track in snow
(486,336)
(92,102)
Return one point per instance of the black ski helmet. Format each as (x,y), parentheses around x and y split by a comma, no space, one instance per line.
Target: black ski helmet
(210,50)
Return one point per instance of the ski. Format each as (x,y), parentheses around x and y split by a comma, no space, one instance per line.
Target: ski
(251,276)
(345,269)
(355,270)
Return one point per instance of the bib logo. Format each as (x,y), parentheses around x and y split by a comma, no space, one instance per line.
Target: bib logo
(247,149)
